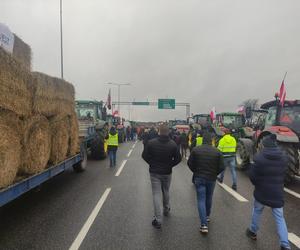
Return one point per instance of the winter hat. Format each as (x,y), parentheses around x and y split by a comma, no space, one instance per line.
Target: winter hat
(270,141)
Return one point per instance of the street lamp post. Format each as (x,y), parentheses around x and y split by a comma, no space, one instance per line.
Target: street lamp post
(119,92)
(61,43)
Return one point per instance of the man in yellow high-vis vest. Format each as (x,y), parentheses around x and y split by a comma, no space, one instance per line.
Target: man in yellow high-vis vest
(112,146)
(227,145)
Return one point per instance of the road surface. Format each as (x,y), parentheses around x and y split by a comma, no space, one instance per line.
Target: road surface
(105,208)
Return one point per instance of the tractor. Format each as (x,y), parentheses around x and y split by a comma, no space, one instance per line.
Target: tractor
(92,127)
(232,121)
(202,119)
(284,122)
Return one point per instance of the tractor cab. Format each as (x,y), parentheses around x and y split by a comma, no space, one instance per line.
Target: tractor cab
(202,119)
(91,116)
(287,116)
(232,121)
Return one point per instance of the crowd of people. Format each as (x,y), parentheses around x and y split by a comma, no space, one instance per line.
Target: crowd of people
(208,160)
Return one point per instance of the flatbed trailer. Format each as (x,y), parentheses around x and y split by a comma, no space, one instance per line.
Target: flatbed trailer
(14,191)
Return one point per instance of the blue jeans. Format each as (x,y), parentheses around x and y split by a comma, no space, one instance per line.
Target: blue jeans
(230,162)
(112,157)
(279,219)
(205,190)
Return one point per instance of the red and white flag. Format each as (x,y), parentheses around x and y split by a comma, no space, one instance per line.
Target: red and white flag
(282,93)
(108,102)
(116,113)
(213,114)
(241,109)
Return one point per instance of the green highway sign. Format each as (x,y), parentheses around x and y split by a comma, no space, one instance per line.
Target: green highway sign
(141,103)
(166,103)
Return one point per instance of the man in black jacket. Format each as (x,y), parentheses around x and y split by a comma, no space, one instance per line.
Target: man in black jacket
(162,154)
(206,162)
(267,175)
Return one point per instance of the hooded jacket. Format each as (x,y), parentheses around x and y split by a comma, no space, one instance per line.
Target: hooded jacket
(162,154)
(227,145)
(267,175)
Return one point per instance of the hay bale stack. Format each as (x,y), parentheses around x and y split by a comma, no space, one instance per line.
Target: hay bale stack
(15,85)
(36,145)
(10,147)
(74,135)
(22,52)
(52,96)
(59,126)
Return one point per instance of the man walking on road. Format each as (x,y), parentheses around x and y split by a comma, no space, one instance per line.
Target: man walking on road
(267,175)
(112,146)
(227,145)
(206,162)
(162,154)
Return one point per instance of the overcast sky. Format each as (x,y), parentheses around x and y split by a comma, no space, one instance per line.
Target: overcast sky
(206,52)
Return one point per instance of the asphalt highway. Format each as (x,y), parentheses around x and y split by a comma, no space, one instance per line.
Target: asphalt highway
(104,208)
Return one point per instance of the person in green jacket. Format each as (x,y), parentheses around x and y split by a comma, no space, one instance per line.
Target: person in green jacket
(227,145)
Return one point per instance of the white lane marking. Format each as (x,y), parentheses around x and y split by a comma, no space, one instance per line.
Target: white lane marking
(233,193)
(292,192)
(294,239)
(297,178)
(87,225)
(133,146)
(121,168)
(129,153)
(187,158)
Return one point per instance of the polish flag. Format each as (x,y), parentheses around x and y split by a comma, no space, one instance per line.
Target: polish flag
(213,114)
(241,109)
(115,113)
(282,93)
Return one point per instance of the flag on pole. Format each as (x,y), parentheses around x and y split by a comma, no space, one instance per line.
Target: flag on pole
(116,113)
(241,109)
(213,114)
(108,102)
(282,93)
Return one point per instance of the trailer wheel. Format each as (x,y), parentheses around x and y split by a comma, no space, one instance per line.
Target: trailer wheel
(242,157)
(293,161)
(81,166)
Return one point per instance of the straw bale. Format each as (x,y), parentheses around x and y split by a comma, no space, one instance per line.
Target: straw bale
(10,147)
(74,135)
(52,96)
(36,145)
(15,85)
(22,52)
(59,138)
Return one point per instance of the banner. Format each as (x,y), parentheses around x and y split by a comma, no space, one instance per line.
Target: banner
(6,38)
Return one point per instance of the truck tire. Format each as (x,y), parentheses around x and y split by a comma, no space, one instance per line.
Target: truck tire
(242,158)
(243,153)
(81,166)
(97,148)
(293,161)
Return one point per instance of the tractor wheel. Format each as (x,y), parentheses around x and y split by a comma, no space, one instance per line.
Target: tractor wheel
(242,156)
(97,148)
(293,161)
(81,166)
